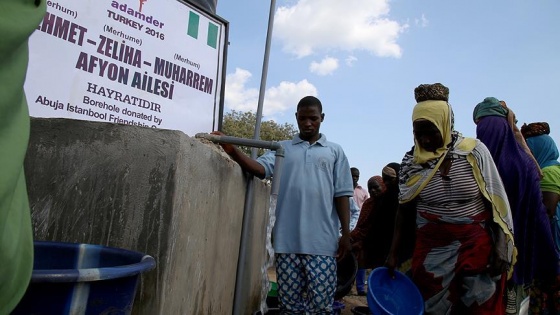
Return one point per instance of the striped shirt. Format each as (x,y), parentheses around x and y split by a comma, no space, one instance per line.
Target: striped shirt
(454,198)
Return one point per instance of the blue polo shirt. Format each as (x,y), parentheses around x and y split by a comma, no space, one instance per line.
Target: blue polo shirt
(312,175)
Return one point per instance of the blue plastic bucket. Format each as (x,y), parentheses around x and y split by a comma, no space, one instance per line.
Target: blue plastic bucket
(73,278)
(398,296)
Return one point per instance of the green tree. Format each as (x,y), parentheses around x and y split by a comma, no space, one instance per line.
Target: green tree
(242,125)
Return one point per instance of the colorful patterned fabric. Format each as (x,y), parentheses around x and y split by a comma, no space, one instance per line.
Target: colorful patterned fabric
(450,265)
(544,300)
(537,256)
(431,92)
(306,283)
(492,189)
(535,129)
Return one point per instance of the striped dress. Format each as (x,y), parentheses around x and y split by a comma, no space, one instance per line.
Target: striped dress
(454,198)
(453,246)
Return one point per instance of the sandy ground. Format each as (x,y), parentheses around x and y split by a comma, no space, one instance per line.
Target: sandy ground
(350,301)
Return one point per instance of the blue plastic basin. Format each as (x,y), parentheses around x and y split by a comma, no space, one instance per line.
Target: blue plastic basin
(398,296)
(73,278)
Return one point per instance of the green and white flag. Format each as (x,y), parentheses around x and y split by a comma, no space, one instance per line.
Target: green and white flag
(212,31)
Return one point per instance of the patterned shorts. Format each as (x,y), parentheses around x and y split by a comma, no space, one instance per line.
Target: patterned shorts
(306,283)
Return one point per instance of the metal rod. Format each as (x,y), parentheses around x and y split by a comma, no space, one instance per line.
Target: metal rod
(264,73)
(242,281)
(248,207)
(271,145)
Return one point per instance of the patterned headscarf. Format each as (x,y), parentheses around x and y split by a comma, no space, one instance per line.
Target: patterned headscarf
(395,166)
(431,92)
(389,171)
(491,106)
(535,129)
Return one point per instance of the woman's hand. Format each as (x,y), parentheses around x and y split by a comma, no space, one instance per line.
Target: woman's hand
(357,246)
(391,264)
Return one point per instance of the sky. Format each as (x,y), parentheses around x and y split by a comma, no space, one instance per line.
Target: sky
(363,59)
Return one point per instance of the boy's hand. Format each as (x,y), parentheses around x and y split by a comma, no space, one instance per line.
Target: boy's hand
(228,148)
(344,246)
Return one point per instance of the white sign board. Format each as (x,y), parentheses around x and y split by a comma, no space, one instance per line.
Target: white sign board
(151,63)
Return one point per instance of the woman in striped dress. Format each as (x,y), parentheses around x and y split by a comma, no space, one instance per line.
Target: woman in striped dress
(464,236)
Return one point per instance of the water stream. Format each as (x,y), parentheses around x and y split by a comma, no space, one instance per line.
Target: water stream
(269,261)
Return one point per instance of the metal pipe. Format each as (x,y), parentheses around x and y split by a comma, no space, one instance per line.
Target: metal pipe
(264,73)
(241,282)
(271,145)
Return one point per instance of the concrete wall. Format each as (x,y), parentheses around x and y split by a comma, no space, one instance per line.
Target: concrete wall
(159,192)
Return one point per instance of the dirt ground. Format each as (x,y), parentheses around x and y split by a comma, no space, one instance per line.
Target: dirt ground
(352,300)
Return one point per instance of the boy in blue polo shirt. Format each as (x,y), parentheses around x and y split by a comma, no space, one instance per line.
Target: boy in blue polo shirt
(312,206)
